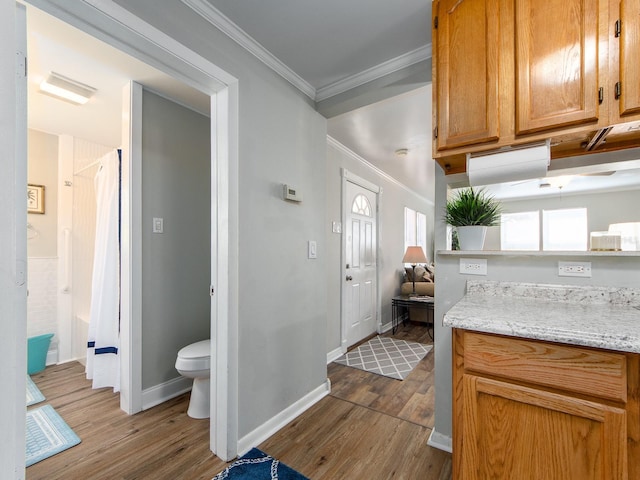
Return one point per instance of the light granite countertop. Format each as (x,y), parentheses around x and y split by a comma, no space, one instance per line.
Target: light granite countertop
(601,317)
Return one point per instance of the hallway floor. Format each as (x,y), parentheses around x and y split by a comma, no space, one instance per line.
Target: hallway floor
(369,427)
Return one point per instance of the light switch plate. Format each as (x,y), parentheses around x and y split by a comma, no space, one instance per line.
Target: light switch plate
(158,225)
(313,253)
(336,227)
(473,266)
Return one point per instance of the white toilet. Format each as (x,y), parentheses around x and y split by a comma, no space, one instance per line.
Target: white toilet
(194,362)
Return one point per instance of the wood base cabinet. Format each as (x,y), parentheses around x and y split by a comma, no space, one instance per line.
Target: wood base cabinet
(526,409)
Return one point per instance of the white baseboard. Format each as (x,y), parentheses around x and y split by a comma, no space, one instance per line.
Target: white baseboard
(52,357)
(440,441)
(270,427)
(165,391)
(386,327)
(333,354)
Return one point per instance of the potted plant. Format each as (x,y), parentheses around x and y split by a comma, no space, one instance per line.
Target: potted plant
(471,212)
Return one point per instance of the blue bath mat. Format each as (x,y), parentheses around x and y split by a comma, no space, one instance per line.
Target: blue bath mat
(47,434)
(257,465)
(34,395)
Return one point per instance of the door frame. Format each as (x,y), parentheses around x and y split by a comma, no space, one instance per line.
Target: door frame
(115,25)
(351,177)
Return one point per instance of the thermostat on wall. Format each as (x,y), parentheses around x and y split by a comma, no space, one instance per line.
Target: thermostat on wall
(291,193)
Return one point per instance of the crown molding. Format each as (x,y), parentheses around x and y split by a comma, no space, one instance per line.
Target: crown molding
(350,153)
(373,73)
(224,24)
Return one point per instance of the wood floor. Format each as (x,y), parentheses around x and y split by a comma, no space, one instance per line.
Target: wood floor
(370,427)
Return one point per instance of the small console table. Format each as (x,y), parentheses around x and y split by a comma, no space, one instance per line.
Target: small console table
(400,305)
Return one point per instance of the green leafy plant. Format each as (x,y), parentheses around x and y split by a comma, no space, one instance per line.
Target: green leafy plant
(472,207)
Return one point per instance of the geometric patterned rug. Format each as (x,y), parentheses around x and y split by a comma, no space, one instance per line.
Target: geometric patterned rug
(47,434)
(34,395)
(257,465)
(386,356)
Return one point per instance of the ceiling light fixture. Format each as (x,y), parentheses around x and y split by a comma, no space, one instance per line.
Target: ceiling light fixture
(67,89)
(402,152)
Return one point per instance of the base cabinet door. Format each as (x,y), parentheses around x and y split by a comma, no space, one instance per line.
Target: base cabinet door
(514,432)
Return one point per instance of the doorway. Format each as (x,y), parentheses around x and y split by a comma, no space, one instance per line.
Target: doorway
(360,281)
(116,26)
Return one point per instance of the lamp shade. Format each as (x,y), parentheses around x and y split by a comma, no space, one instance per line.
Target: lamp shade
(414,255)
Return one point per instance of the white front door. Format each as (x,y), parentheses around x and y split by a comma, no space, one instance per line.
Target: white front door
(361,267)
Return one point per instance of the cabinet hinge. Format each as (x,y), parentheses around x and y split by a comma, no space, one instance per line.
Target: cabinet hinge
(618,28)
(435,22)
(435,133)
(618,90)
(600,95)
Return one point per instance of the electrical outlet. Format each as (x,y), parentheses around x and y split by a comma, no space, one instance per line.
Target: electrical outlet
(574,269)
(473,266)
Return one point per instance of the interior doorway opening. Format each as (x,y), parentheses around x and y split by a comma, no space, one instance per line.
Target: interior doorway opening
(118,27)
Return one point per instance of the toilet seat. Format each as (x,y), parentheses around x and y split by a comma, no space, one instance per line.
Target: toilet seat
(196,356)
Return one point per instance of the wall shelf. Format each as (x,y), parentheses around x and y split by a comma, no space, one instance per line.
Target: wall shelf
(530,253)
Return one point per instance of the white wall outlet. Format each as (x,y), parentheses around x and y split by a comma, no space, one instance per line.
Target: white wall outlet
(313,249)
(574,269)
(473,266)
(336,227)
(158,225)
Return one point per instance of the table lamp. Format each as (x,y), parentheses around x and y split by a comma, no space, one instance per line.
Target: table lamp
(414,255)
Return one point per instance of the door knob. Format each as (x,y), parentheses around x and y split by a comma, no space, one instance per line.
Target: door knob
(349,278)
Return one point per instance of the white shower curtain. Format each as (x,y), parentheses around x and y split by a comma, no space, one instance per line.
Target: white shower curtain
(103,360)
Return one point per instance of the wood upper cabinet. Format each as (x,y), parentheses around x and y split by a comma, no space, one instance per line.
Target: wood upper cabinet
(556,63)
(466,94)
(627,33)
(527,409)
(516,71)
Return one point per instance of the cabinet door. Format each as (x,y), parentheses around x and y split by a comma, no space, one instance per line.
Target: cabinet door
(556,63)
(466,72)
(511,431)
(629,57)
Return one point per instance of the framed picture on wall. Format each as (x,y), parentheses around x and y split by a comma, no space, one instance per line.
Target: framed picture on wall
(35,198)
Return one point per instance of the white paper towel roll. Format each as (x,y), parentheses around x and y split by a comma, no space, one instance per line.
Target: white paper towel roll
(520,163)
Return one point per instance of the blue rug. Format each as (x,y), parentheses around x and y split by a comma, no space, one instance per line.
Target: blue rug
(34,395)
(257,465)
(47,434)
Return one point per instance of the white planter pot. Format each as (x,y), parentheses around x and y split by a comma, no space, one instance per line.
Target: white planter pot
(471,237)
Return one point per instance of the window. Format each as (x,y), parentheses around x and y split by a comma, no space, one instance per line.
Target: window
(520,231)
(564,229)
(361,205)
(415,229)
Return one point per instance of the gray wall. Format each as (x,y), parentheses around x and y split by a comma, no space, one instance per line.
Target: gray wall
(450,288)
(603,208)
(281,296)
(43,170)
(176,269)
(391,240)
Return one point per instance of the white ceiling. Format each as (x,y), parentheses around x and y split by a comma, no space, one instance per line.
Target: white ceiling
(54,46)
(324,43)
(330,40)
